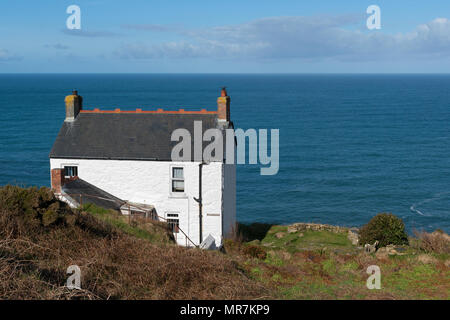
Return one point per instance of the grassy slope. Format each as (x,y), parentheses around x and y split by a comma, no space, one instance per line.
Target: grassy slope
(325,265)
(155,232)
(40,237)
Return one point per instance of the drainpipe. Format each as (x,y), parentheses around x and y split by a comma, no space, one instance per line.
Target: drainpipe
(199,201)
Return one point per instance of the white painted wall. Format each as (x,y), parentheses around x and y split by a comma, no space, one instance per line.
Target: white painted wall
(149,182)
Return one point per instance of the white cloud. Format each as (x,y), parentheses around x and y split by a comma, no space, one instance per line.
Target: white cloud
(89,33)
(339,38)
(57,46)
(5,55)
(149,27)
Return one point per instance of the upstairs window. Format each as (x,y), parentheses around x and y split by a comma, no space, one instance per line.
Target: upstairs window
(70,172)
(177,179)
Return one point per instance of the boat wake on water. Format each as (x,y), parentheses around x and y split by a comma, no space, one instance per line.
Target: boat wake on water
(414,206)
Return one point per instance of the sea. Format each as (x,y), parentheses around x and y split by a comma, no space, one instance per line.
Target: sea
(350,146)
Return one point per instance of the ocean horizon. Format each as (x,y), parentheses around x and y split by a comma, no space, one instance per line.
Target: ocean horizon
(351,145)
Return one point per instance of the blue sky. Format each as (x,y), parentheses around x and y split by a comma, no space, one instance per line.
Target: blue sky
(178,36)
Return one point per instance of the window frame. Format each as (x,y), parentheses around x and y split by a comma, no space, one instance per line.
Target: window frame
(64,166)
(172,179)
(173,220)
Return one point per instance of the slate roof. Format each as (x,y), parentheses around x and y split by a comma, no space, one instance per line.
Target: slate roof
(126,135)
(91,194)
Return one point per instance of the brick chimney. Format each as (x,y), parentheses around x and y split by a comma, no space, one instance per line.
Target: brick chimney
(58,180)
(223,106)
(74,104)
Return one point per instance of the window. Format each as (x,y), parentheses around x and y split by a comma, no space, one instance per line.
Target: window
(173,221)
(70,172)
(177,180)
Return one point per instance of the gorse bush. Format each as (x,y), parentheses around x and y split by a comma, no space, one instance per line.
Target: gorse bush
(35,208)
(386,228)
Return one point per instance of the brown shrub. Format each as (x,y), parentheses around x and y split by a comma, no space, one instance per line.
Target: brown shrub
(34,256)
(232,246)
(364,260)
(309,255)
(254,251)
(437,242)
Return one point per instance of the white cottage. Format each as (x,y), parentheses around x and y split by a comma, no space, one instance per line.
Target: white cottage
(122,160)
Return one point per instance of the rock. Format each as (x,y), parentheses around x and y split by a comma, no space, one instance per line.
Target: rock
(300,234)
(370,248)
(291,229)
(353,237)
(394,250)
(279,235)
(447,263)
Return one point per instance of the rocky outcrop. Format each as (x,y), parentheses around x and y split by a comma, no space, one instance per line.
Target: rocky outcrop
(279,235)
(353,237)
(390,250)
(370,248)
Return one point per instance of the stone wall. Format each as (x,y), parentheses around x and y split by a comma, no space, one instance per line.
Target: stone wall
(352,233)
(300,227)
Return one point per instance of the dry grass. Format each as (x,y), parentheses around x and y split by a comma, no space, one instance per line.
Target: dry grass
(436,242)
(34,257)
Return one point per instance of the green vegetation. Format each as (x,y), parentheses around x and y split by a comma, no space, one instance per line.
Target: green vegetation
(385,228)
(37,207)
(325,265)
(278,238)
(155,232)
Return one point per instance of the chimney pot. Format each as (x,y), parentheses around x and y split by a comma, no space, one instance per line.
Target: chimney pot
(223,106)
(74,104)
(223,93)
